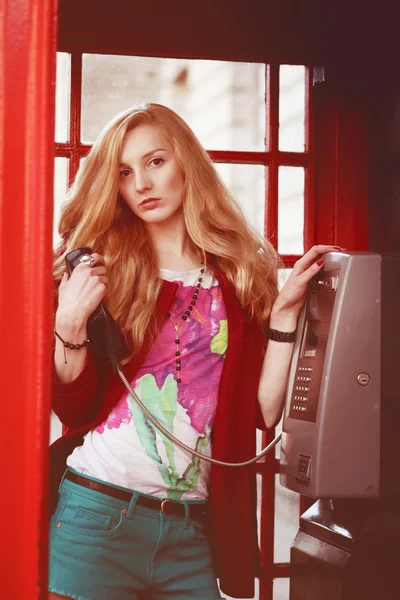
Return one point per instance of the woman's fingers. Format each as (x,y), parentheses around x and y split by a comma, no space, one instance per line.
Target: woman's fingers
(294,291)
(102,279)
(84,275)
(84,289)
(312,270)
(96,268)
(100,270)
(98,259)
(312,255)
(64,279)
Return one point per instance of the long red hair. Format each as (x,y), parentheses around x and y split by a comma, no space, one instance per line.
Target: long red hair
(96,216)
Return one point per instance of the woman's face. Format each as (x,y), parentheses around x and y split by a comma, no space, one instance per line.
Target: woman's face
(150,180)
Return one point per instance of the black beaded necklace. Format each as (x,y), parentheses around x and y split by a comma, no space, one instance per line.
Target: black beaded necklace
(184,317)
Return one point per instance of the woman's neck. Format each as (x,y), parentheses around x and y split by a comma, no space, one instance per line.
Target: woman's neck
(174,248)
(174,261)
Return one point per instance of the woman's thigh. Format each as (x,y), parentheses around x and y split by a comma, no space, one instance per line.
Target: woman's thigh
(186,571)
(101,550)
(90,547)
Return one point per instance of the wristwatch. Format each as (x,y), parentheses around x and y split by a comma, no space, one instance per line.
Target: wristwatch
(281,336)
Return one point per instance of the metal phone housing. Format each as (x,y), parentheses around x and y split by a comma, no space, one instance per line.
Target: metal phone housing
(342,409)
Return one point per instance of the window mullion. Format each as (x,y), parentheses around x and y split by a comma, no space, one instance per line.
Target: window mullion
(267,540)
(63,150)
(237,156)
(309,173)
(75,113)
(267,519)
(271,213)
(291,159)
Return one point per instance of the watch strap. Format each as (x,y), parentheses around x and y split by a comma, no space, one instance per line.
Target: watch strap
(281,336)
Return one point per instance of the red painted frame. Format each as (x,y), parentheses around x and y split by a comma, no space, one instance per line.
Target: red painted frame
(27,84)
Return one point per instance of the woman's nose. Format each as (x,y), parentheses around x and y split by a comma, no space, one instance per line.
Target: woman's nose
(143,182)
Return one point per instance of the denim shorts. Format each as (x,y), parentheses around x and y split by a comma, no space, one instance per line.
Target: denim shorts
(103,548)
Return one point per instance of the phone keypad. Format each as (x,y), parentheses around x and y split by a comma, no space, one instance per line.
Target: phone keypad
(300,401)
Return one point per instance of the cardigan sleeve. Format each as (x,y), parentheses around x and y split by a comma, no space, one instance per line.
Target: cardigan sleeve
(75,403)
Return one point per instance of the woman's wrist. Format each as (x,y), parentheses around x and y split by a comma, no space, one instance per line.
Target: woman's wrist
(283,320)
(70,327)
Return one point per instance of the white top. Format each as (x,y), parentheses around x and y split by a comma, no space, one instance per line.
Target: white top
(126,449)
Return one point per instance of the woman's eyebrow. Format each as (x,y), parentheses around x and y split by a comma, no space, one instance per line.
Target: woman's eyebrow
(154,151)
(146,155)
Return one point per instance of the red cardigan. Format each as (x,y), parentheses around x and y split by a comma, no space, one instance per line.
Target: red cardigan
(87,401)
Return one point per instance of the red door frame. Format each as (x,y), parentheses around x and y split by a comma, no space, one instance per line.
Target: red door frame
(27,80)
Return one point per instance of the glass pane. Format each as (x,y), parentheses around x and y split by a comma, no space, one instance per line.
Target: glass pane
(55,428)
(290,210)
(278,430)
(62,96)
(60,190)
(259,441)
(246,183)
(281,589)
(223,102)
(286,521)
(292,106)
(283,275)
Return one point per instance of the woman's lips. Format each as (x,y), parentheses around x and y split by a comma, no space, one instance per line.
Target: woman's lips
(150,203)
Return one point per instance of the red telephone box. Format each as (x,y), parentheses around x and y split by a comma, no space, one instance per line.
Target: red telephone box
(336,209)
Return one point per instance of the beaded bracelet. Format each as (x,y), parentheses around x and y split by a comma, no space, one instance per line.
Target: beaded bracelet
(71,346)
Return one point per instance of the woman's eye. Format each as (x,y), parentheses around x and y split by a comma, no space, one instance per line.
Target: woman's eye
(157,161)
(124,173)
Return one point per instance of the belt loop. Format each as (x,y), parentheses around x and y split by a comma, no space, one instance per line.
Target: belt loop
(132,505)
(186,521)
(62,479)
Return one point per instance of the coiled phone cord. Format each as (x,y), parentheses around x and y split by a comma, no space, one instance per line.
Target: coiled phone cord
(181,444)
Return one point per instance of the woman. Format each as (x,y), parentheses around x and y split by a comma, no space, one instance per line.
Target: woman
(193,289)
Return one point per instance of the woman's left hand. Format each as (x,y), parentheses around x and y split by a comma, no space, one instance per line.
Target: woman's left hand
(293,293)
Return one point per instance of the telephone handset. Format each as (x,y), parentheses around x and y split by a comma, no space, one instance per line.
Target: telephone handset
(109,344)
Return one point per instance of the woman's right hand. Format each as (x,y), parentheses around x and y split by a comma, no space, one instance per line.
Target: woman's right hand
(80,294)
(78,297)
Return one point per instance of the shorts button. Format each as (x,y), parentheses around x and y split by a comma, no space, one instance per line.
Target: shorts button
(58,524)
(124,511)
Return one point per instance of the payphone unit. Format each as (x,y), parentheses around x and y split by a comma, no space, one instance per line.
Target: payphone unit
(342,411)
